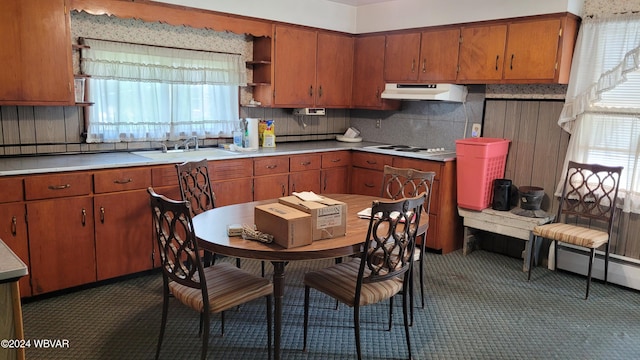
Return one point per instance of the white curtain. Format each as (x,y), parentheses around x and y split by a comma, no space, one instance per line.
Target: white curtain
(602,107)
(147,93)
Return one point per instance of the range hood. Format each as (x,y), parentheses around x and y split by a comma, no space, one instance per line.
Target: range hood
(441,92)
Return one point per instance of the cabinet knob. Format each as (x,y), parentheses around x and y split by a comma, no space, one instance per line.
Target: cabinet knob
(310,90)
(413,65)
(102,214)
(84,217)
(511,63)
(497,57)
(14,226)
(424,65)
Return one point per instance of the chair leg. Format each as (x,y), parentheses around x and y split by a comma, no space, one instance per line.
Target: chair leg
(606,263)
(205,337)
(165,308)
(262,268)
(356,327)
(306,317)
(591,256)
(422,276)
(411,287)
(269,326)
(531,256)
(222,323)
(406,319)
(238,263)
(390,312)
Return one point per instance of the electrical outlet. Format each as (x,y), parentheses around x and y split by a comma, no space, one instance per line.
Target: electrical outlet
(475,130)
(378,123)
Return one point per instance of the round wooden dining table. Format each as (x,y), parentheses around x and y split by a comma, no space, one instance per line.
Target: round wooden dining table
(211,230)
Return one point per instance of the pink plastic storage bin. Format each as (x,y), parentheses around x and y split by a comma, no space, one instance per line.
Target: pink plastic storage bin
(479,162)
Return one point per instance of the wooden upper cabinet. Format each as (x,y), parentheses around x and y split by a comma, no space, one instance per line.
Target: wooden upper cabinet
(36,53)
(439,55)
(368,74)
(482,53)
(334,70)
(295,66)
(540,50)
(312,68)
(401,62)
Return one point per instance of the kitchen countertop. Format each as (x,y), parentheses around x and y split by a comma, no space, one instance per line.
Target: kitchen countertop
(11,267)
(25,165)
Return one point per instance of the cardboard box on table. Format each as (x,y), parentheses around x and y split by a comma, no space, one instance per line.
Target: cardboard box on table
(290,227)
(328,218)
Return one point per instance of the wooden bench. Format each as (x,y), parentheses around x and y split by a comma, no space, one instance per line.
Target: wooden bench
(503,223)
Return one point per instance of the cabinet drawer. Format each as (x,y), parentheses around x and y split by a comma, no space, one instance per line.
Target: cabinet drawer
(271,165)
(370,161)
(164,176)
(57,185)
(230,169)
(12,189)
(121,179)
(422,165)
(336,159)
(304,162)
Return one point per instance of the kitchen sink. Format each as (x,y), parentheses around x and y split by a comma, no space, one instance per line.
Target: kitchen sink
(185,155)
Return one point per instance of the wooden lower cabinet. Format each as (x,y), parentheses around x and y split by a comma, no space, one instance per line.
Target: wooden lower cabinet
(233,191)
(61,243)
(445,225)
(334,180)
(367,172)
(124,240)
(13,231)
(270,186)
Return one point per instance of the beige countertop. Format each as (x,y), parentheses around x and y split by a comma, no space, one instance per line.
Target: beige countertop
(11,267)
(25,165)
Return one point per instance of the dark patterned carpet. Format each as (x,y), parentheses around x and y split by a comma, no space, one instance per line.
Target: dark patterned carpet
(479,306)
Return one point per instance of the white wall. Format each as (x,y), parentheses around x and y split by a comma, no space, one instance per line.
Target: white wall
(389,15)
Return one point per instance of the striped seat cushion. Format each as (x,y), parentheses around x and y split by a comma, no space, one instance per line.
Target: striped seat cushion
(339,282)
(572,234)
(227,286)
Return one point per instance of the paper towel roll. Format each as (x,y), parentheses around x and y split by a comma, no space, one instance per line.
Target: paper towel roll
(252,132)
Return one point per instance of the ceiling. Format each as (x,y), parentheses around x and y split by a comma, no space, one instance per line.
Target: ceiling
(359,2)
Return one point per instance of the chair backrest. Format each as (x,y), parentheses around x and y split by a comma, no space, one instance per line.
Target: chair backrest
(391,238)
(399,183)
(589,194)
(177,242)
(195,186)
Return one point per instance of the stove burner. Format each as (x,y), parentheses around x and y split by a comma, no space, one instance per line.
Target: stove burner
(387,148)
(409,149)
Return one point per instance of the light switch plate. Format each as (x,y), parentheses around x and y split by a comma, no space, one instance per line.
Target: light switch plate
(475,130)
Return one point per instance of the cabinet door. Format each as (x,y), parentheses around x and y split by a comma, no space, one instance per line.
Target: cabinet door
(61,243)
(270,187)
(532,50)
(304,181)
(481,56)
(334,180)
(124,240)
(334,70)
(368,74)
(401,57)
(234,191)
(36,53)
(294,67)
(439,55)
(13,231)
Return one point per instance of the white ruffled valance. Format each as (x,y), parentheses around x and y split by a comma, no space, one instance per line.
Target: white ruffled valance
(133,62)
(593,73)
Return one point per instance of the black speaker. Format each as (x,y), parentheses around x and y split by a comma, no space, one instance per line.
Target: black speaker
(501,194)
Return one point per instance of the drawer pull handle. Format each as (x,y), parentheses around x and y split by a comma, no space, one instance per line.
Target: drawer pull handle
(14,226)
(271,166)
(59,187)
(122,181)
(283,190)
(371,162)
(336,160)
(84,217)
(305,163)
(369,185)
(102,214)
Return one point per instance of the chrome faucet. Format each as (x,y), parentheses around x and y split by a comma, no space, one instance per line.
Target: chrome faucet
(185,144)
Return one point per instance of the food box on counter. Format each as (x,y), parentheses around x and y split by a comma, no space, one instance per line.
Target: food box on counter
(290,227)
(328,217)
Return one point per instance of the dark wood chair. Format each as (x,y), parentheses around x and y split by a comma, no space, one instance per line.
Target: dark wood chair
(381,271)
(400,183)
(585,213)
(207,290)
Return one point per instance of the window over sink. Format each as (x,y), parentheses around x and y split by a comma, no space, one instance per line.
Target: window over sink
(151,93)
